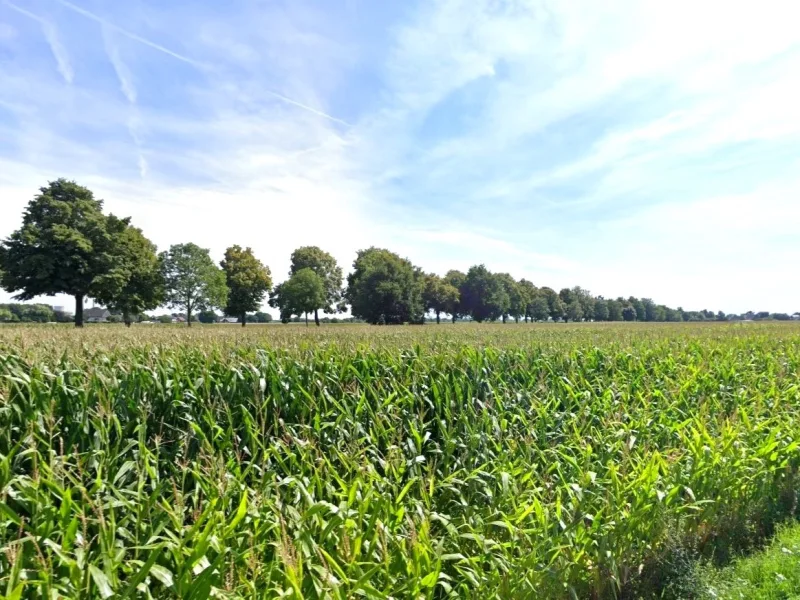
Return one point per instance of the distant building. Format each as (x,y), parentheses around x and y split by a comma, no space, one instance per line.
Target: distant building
(96,315)
(228,320)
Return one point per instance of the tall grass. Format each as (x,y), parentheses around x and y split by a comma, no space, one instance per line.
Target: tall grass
(451,461)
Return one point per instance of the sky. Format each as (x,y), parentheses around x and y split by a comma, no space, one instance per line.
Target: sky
(632,147)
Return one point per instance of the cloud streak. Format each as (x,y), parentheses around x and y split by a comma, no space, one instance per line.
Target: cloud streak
(51,35)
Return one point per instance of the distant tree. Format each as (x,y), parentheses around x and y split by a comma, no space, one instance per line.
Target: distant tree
(638,306)
(554,303)
(142,285)
(438,295)
(586,300)
(629,313)
(516,305)
(539,310)
(483,295)
(528,293)
(326,267)
(248,281)
(6,316)
(455,279)
(302,293)
(65,246)
(263,317)
(384,288)
(672,315)
(614,310)
(207,316)
(192,281)
(575,310)
(566,296)
(776,316)
(600,310)
(649,310)
(115,318)
(660,313)
(165,319)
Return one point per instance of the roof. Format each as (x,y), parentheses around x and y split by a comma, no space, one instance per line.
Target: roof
(96,312)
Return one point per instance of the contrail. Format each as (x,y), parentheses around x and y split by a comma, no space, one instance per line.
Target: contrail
(51,35)
(182,58)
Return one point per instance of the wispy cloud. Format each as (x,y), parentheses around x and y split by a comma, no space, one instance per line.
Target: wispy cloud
(51,34)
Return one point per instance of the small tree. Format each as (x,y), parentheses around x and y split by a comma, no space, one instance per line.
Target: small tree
(629,313)
(600,310)
(575,310)
(193,282)
(539,310)
(302,293)
(528,293)
(327,269)
(248,282)
(455,279)
(207,316)
(439,295)
(143,284)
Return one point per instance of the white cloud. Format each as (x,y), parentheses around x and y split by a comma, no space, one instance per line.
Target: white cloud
(637,147)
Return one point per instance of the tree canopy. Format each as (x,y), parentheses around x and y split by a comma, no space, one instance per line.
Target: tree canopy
(384,288)
(192,281)
(483,295)
(248,281)
(66,245)
(304,292)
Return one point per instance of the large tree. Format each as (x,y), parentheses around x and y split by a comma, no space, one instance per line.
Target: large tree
(528,293)
(600,309)
(539,310)
(575,310)
(614,310)
(554,303)
(66,245)
(516,305)
(385,288)
(483,295)
(456,279)
(439,296)
(303,293)
(326,267)
(248,281)
(192,281)
(143,286)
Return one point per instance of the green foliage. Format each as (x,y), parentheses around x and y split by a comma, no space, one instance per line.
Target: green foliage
(303,293)
(326,267)
(539,310)
(141,286)
(614,310)
(516,304)
(66,245)
(483,295)
(439,295)
(629,313)
(473,461)
(575,310)
(165,319)
(601,310)
(773,574)
(456,279)
(192,281)
(384,288)
(527,294)
(27,313)
(207,316)
(248,281)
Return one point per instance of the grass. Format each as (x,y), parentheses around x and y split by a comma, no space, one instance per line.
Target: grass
(547,461)
(773,574)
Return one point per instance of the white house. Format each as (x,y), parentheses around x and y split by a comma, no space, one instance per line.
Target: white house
(96,315)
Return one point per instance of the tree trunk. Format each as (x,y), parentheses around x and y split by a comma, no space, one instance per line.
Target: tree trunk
(126,317)
(316,316)
(454,319)
(526,318)
(437,317)
(306,319)
(504,319)
(244,319)
(79,310)
(188,314)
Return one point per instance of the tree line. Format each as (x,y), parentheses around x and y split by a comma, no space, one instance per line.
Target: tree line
(68,245)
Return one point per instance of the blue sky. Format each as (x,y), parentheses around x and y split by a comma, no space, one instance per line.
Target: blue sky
(633,147)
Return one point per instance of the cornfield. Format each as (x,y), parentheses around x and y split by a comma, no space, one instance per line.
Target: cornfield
(452,461)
